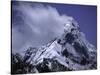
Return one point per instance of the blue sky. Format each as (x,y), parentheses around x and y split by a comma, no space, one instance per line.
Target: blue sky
(85,15)
(37,23)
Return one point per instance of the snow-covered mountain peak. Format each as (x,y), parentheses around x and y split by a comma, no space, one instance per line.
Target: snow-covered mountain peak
(71,51)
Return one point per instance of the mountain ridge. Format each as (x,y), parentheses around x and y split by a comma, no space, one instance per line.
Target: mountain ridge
(71,51)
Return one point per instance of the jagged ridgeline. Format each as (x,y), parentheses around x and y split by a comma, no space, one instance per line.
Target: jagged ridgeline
(70,52)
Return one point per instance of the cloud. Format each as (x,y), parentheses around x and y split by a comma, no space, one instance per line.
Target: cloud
(35,24)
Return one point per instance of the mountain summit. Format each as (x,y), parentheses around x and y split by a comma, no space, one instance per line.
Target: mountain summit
(71,51)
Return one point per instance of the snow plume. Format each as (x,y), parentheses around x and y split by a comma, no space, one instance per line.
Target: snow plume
(35,24)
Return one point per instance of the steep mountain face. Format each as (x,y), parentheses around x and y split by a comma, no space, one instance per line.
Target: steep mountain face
(69,52)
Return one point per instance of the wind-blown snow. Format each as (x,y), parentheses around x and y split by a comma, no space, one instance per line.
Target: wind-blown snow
(32,28)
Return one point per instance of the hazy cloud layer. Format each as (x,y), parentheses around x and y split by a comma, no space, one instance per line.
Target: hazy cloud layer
(35,25)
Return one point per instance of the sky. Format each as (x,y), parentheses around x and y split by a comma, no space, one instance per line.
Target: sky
(35,24)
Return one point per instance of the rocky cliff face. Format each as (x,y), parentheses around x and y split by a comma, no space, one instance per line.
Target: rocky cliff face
(69,52)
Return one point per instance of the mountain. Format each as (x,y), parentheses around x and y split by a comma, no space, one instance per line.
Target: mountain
(69,52)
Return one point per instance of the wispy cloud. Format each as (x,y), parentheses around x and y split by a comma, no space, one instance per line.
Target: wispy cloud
(35,24)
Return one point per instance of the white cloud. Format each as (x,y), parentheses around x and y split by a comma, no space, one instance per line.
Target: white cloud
(40,25)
